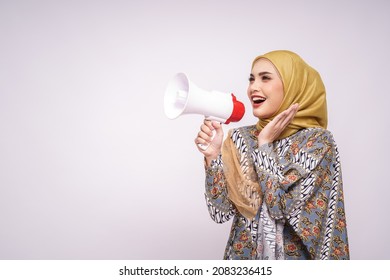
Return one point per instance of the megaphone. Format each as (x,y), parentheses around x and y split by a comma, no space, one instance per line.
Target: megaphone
(183,97)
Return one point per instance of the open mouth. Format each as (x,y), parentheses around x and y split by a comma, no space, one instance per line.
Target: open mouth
(258,99)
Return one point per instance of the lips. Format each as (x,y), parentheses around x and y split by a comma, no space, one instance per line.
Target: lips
(257,99)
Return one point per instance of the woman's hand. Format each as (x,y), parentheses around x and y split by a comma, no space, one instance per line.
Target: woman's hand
(274,128)
(205,137)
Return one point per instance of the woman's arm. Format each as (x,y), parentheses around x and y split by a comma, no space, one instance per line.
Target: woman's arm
(304,187)
(220,207)
(218,204)
(290,180)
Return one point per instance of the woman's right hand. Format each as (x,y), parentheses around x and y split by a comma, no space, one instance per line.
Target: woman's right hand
(205,137)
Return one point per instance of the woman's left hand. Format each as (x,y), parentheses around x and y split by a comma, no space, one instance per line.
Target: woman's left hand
(274,128)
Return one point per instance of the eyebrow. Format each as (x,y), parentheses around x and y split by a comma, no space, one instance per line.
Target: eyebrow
(262,73)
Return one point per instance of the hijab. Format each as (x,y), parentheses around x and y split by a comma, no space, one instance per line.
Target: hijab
(303,85)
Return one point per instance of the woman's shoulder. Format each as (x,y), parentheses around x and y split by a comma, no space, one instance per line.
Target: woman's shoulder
(249,131)
(244,136)
(316,140)
(314,133)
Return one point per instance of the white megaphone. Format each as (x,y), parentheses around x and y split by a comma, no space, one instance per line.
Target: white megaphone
(183,97)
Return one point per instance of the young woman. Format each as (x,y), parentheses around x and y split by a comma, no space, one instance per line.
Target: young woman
(280,180)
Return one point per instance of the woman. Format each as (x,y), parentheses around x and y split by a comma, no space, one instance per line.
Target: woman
(280,180)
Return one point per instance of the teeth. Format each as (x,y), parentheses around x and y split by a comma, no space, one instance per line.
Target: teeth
(258,99)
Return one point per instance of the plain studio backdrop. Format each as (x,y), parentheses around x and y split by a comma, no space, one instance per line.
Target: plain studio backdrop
(90,166)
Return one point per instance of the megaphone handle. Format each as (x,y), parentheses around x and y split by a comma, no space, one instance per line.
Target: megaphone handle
(204,147)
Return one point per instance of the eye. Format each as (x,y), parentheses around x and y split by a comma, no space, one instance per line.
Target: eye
(251,78)
(265,78)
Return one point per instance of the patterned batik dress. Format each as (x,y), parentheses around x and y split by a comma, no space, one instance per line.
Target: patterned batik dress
(302,214)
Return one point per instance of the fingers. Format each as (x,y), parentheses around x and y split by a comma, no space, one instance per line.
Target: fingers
(207,128)
(217,127)
(273,129)
(290,114)
(203,138)
(205,135)
(284,118)
(209,139)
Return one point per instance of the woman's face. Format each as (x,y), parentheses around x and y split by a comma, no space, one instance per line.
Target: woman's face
(265,90)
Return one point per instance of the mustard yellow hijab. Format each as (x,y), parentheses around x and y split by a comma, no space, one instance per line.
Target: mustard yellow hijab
(303,85)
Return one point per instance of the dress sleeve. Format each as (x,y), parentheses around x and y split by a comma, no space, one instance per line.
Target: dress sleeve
(220,207)
(302,184)
(289,178)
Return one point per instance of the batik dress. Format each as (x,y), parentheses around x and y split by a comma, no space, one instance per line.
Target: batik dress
(302,213)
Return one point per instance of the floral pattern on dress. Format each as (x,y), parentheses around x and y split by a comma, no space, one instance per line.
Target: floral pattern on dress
(301,180)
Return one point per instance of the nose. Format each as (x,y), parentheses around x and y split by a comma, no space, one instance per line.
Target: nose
(254,87)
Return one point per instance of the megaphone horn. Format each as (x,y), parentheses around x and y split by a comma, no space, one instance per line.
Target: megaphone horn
(184,97)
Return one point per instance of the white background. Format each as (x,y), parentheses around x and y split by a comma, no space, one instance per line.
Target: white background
(90,167)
